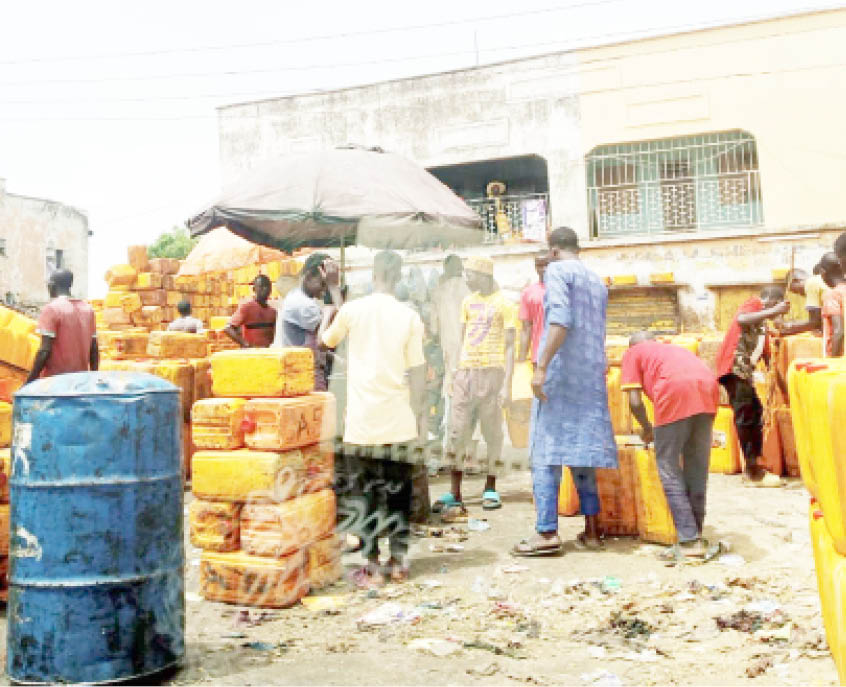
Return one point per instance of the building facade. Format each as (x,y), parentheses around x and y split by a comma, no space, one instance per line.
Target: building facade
(712,154)
(36,237)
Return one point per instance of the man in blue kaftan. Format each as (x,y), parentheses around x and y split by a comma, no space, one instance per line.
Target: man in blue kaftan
(571,423)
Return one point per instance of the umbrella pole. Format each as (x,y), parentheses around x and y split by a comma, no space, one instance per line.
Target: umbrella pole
(343,262)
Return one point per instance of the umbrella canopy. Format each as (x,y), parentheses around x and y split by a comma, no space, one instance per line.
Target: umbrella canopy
(221,250)
(340,197)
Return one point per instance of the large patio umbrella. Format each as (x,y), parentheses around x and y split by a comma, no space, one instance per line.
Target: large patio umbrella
(339,197)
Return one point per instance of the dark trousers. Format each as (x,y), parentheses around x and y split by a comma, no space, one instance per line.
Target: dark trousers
(374,498)
(748,416)
(683,451)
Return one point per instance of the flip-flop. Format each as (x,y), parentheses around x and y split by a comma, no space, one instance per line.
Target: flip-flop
(443,502)
(583,543)
(531,552)
(491,500)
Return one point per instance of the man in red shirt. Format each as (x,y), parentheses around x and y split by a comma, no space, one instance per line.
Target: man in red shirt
(68,332)
(744,344)
(531,312)
(255,318)
(685,395)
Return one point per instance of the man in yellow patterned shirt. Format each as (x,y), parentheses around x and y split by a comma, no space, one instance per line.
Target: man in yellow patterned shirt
(481,386)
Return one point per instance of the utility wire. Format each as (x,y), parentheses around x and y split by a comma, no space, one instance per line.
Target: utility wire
(324,37)
(634,35)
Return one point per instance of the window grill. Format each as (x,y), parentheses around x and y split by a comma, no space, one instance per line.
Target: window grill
(691,183)
(524,216)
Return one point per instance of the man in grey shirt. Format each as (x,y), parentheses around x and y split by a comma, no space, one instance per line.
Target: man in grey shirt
(186,323)
(302,317)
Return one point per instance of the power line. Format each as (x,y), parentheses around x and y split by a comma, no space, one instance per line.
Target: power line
(324,37)
(276,94)
(634,35)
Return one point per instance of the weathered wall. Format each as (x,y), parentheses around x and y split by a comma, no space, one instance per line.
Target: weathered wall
(780,80)
(29,226)
(699,262)
(463,116)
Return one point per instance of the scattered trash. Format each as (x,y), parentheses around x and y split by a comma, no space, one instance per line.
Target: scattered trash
(780,634)
(446,548)
(742,621)
(597,651)
(387,614)
(532,629)
(631,627)
(731,560)
(432,584)
(258,646)
(759,667)
(476,525)
(765,607)
(435,647)
(234,635)
(601,678)
(648,656)
(514,569)
(499,651)
(487,671)
(325,603)
(611,585)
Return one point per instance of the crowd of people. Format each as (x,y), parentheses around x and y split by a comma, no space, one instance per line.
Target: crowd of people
(433,362)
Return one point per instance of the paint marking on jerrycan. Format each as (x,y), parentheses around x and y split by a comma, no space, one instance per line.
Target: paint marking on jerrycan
(96,577)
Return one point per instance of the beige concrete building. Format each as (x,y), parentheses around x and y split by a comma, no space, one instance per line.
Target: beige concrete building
(715,154)
(37,236)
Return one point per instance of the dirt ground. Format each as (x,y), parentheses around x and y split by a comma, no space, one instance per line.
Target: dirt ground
(615,617)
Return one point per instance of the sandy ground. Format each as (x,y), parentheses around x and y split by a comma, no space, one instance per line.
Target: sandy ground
(614,617)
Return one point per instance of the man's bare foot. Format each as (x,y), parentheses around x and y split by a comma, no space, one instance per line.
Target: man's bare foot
(398,571)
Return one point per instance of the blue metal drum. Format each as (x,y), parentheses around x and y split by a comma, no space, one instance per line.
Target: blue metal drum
(97,559)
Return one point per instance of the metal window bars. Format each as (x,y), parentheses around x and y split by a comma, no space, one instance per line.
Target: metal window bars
(522,216)
(691,183)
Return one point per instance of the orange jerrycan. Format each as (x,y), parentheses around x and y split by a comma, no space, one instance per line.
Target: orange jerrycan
(831,582)
(654,519)
(807,383)
(568,497)
(725,448)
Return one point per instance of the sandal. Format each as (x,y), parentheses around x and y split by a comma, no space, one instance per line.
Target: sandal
(525,549)
(364,578)
(583,543)
(491,500)
(444,502)
(672,555)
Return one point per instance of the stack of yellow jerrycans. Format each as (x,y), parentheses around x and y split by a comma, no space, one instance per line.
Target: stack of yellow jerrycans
(264,510)
(817,391)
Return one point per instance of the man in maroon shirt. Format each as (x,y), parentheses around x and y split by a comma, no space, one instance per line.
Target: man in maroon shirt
(685,395)
(531,312)
(68,332)
(255,318)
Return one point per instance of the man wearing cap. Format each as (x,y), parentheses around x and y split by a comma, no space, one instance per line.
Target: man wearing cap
(482,383)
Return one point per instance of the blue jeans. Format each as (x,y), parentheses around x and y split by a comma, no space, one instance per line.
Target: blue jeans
(546,481)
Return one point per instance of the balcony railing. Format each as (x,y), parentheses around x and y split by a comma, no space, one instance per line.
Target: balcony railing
(519,217)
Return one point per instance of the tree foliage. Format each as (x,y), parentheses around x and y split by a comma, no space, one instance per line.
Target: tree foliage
(176,243)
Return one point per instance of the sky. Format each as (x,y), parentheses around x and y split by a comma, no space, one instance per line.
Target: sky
(111,106)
